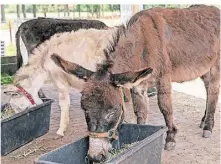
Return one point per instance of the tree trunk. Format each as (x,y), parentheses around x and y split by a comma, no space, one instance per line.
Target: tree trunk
(45,12)
(79,11)
(3,13)
(73,11)
(87,12)
(99,11)
(58,10)
(92,11)
(34,11)
(102,9)
(64,10)
(23,11)
(18,11)
(112,9)
(67,9)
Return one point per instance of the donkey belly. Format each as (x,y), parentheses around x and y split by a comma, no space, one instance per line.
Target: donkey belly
(192,60)
(186,74)
(190,71)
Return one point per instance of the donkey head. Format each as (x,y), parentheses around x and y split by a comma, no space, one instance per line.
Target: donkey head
(102,102)
(23,93)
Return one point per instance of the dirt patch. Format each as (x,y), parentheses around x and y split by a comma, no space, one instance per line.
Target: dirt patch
(188,111)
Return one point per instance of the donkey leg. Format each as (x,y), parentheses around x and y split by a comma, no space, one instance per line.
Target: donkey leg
(64,102)
(165,105)
(212,99)
(205,79)
(140,103)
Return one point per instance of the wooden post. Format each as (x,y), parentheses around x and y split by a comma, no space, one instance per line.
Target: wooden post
(135,9)
(10,31)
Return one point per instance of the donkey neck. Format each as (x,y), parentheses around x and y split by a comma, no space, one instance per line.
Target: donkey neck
(32,76)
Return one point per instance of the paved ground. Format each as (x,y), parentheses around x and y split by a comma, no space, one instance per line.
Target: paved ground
(188,110)
(195,88)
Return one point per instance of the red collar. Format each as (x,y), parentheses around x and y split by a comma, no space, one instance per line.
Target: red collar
(28,95)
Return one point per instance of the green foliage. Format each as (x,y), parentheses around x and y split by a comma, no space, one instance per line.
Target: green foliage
(116,7)
(6,79)
(10,8)
(113,7)
(78,8)
(93,9)
(61,7)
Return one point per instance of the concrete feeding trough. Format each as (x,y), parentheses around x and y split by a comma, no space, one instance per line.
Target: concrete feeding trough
(146,150)
(25,126)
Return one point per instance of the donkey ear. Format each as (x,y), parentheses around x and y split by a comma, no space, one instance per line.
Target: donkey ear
(130,79)
(72,68)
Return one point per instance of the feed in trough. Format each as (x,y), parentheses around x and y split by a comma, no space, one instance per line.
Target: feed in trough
(116,152)
(8,110)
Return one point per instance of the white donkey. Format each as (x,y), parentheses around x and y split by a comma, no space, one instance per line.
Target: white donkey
(84,47)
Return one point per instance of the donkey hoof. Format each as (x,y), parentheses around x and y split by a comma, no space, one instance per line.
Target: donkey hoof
(170,146)
(60,132)
(202,124)
(206,133)
(57,137)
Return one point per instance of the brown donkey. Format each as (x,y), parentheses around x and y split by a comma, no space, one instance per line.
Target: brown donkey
(176,45)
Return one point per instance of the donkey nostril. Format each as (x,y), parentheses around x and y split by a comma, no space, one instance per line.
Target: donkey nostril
(103,158)
(98,158)
(100,129)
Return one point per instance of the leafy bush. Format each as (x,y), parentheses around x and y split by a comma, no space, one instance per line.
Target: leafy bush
(6,79)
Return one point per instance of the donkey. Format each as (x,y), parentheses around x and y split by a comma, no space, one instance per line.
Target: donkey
(84,47)
(34,32)
(157,47)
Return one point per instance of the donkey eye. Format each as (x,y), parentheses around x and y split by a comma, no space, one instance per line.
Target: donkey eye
(10,93)
(13,94)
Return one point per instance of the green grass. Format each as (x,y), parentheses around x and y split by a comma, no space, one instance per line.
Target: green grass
(6,79)
(10,50)
(4,26)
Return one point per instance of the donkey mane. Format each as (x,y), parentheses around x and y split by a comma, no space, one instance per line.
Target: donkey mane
(115,39)
(102,69)
(116,36)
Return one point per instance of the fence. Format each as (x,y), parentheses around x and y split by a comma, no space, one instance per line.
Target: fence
(2,48)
